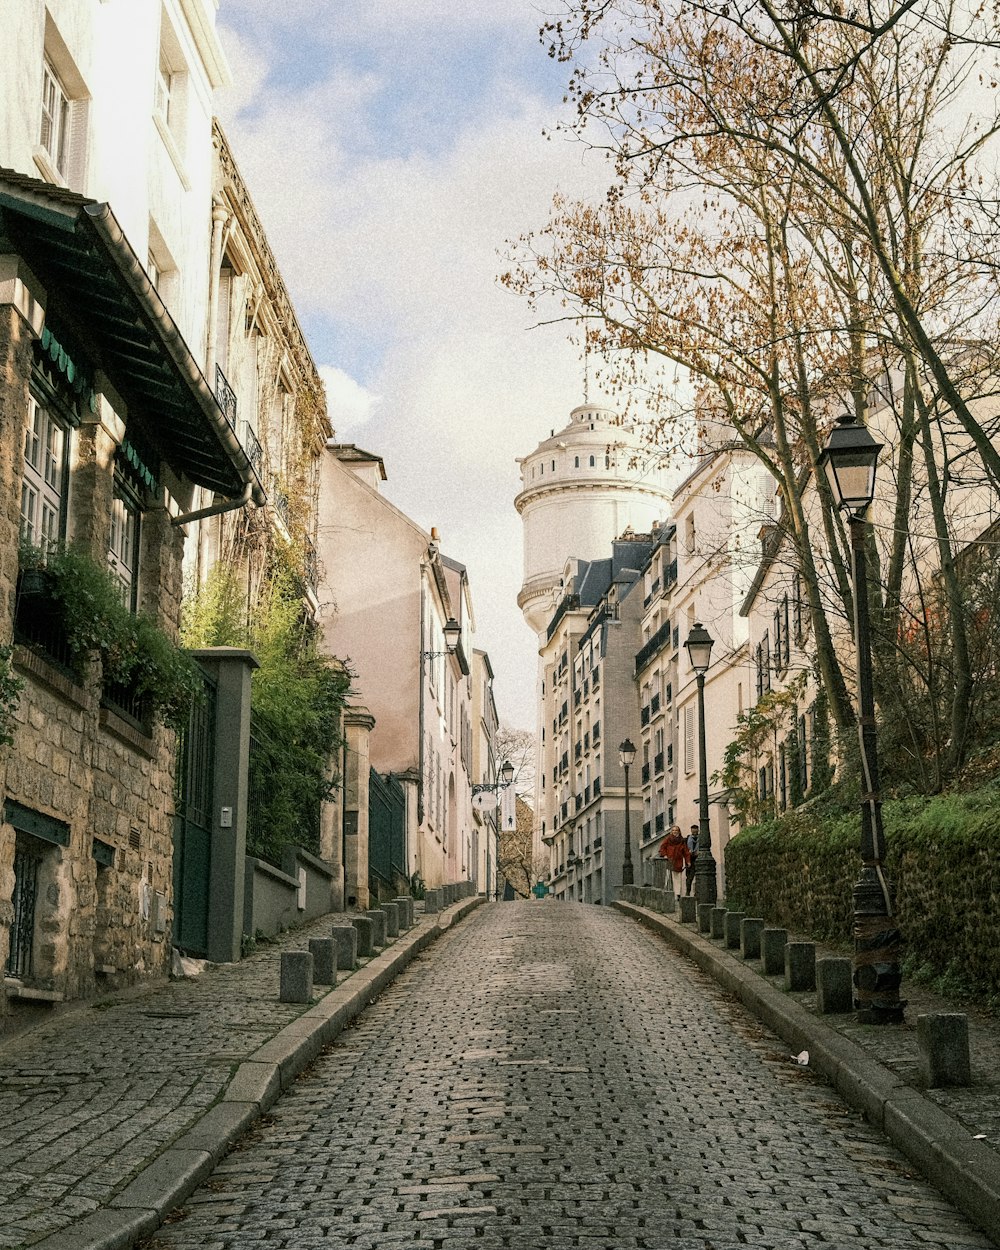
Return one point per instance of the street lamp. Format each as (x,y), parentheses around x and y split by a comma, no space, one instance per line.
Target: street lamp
(699,645)
(626,754)
(486,798)
(490,790)
(452,633)
(849,459)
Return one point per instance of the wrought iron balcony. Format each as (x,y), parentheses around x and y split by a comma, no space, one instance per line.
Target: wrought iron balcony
(225,396)
(255,453)
(310,564)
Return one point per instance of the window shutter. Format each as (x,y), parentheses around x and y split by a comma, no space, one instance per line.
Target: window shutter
(689,738)
(76,170)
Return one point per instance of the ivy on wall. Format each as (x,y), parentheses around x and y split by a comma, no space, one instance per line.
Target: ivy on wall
(798,872)
(297,700)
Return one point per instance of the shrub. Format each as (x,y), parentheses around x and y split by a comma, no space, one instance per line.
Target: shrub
(799,872)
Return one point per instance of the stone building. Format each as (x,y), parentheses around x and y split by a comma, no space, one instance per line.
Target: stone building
(107,427)
(393,592)
(588,708)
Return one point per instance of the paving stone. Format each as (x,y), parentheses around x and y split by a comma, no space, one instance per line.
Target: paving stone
(555,1075)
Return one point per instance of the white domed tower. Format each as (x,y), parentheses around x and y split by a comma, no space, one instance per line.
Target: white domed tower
(580,489)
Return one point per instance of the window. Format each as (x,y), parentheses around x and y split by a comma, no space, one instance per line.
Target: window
(689,738)
(165,82)
(689,533)
(60,154)
(54,135)
(591,461)
(42,486)
(123,545)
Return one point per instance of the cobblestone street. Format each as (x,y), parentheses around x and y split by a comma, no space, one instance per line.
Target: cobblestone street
(557,1076)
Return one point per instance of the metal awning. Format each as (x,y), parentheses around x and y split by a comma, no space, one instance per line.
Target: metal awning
(95,283)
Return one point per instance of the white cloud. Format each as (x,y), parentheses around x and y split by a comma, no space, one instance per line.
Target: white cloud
(390,249)
(348,403)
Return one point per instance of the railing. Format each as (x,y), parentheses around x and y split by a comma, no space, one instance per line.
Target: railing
(310,564)
(569,602)
(125,701)
(644,715)
(650,648)
(658,763)
(225,396)
(279,501)
(670,573)
(251,445)
(37,623)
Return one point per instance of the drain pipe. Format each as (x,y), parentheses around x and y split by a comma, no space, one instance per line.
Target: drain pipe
(216,509)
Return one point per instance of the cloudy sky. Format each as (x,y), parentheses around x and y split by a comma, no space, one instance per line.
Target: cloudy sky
(391,147)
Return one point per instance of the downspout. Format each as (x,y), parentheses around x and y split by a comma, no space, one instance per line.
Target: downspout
(216,509)
(220,216)
(420,707)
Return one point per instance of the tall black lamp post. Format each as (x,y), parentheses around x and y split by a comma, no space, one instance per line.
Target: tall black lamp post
(699,645)
(626,754)
(849,459)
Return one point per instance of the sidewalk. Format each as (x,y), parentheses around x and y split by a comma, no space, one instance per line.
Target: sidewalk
(113,1112)
(952,1136)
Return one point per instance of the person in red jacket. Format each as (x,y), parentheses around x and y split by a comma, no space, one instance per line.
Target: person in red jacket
(674,850)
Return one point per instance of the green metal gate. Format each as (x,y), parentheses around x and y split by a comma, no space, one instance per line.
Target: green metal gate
(193,825)
(387,874)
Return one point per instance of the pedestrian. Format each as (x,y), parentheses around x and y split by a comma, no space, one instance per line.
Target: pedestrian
(693,852)
(674,849)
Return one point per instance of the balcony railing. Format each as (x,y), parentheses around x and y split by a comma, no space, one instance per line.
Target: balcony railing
(310,564)
(670,573)
(225,396)
(255,453)
(650,648)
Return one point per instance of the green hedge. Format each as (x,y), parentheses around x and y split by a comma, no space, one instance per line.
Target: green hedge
(943,857)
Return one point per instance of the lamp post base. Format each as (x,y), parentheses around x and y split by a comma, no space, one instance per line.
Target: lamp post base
(628,876)
(706,887)
(877,941)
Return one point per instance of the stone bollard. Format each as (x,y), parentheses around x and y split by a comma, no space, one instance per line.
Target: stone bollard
(834,992)
(705,917)
(345,936)
(717,922)
(324,957)
(800,966)
(751,927)
(448,895)
(432,901)
(689,909)
(366,936)
(943,1039)
(296,985)
(391,919)
(772,949)
(405,905)
(377,918)
(732,929)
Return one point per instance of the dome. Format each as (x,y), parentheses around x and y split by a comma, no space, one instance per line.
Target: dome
(582,487)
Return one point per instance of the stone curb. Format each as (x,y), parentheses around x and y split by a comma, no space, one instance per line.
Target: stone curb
(964,1169)
(139,1209)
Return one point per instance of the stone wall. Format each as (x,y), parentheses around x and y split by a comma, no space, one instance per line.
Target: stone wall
(91,793)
